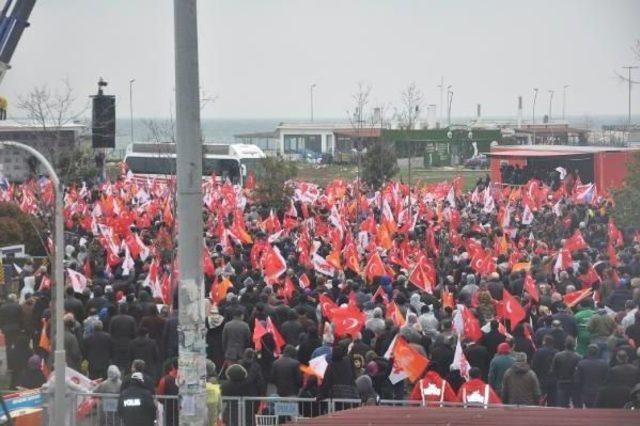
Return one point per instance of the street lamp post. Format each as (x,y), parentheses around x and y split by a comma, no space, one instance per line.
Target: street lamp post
(59,362)
(449,101)
(311,99)
(564,100)
(131,107)
(550,103)
(533,114)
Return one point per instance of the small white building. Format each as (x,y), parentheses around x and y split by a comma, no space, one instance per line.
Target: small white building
(16,165)
(295,140)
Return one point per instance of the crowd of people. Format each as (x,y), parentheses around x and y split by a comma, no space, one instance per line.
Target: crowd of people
(515,295)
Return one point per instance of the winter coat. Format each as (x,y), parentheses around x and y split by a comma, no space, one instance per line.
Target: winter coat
(541,365)
(144,348)
(285,374)
(498,367)
(136,406)
(236,337)
(97,351)
(122,329)
(591,374)
(339,378)
(520,385)
(10,318)
(564,365)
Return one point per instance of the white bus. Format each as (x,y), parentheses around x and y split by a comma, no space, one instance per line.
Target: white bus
(233,162)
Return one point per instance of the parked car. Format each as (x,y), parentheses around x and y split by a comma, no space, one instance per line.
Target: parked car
(479,161)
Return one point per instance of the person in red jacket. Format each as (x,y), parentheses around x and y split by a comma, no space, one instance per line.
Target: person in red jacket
(432,389)
(475,391)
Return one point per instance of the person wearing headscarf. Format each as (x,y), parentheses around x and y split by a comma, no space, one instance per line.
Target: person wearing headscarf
(365,388)
(108,407)
(214,395)
(32,377)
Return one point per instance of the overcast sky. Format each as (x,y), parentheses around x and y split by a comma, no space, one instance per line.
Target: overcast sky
(259,57)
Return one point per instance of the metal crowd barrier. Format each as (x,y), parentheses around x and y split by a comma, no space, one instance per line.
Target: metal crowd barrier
(92,409)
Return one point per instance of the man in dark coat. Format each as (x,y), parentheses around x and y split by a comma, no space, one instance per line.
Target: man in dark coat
(285,373)
(145,348)
(520,384)
(236,337)
(591,374)
(10,319)
(96,349)
(541,365)
(563,368)
(135,405)
(478,356)
(122,329)
(73,305)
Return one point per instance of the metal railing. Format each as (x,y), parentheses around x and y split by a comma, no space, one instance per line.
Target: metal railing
(99,409)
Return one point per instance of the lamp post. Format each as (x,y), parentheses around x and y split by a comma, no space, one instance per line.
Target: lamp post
(131,107)
(191,348)
(550,103)
(311,98)
(59,362)
(533,114)
(449,101)
(564,100)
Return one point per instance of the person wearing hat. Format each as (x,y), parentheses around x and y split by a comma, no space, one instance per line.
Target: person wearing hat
(135,404)
(501,362)
(520,384)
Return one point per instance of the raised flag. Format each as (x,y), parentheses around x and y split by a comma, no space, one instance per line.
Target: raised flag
(77,280)
(613,258)
(513,311)
(304,280)
(258,332)
(575,242)
(527,216)
(471,325)
(274,264)
(573,298)
(394,313)
(327,306)
(531,287)
(409,360)
(322,266)
(277,337)
(460,362)
(423,275)
(347,321)
(374,268)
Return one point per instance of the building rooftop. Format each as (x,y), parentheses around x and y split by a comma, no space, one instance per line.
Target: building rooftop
(13,125)
(551,150)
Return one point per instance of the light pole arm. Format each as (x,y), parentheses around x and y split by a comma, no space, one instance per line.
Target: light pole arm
(59,356)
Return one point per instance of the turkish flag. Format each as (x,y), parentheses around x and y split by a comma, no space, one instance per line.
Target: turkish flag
(374,268)
(573,298)
(323,266)
(352,258)
(615,236)
(219,290)
(327,306)
(531,288)
(348,321)
(447,298)
(483,263)
(277,337)
(274,264)
(591,277)
(513,311)
(409,360)
(423,275)
(471,325)
(575,242)
(394,313)
(258,332)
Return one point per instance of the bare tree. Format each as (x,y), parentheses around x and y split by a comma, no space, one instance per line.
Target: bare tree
(411,100)
(50,111)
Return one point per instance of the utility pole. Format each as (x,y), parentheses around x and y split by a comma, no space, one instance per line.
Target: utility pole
(191,328)
(311,99)
(131,107)
(629,68)
(441,86)
(564,100)
(550,103)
